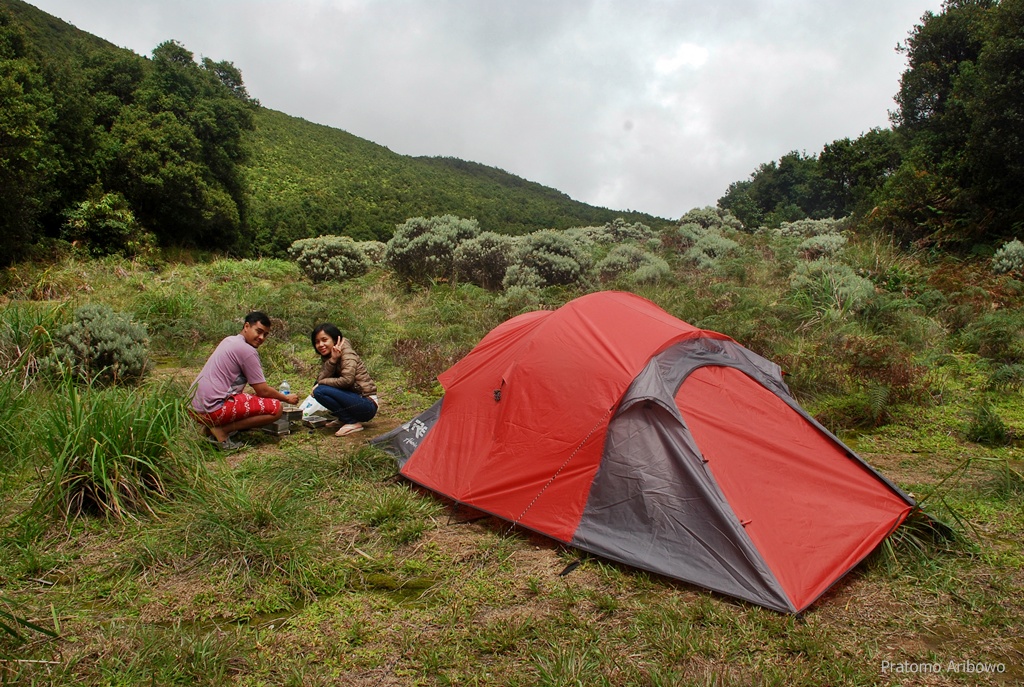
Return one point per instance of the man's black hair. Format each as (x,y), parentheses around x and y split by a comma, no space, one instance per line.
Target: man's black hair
(257,316)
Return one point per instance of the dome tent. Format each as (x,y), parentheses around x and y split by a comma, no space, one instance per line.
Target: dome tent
(615,428)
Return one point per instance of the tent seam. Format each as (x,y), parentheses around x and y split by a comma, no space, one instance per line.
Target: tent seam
(563,465)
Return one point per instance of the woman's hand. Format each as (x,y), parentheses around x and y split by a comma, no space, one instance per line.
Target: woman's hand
(336,351)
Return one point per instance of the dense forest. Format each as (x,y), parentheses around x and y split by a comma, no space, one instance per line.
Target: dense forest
(949,171)
(119,153)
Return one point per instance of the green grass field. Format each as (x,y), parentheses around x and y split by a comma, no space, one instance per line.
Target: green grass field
(306,560)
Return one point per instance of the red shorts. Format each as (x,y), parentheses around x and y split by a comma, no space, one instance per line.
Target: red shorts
(239,407)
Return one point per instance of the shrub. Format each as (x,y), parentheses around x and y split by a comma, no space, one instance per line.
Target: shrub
(107,226)
(685,236)
(709,248)
(521,277)
(515,300)
(483,260)
(422,249)
(712,218)
(651,272)
(554,257)
(821,246)
(374,251)
(643,267)
(831,285)
(618,231)
(588,237)
(1009,258)
(101,345)
(810,227)
(334,258)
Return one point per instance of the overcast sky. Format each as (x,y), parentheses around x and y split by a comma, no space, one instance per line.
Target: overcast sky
(649,105)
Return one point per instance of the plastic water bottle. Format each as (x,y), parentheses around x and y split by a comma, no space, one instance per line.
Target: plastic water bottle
(284,388)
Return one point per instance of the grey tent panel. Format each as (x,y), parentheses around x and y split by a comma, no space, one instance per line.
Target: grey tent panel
(653,500)
(403,440)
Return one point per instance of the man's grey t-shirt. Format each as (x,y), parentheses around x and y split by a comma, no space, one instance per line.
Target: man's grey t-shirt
(232,365)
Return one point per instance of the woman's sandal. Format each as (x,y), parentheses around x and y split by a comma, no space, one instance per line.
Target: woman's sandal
(348,429)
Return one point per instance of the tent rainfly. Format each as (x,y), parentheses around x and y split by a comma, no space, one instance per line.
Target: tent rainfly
(615,428)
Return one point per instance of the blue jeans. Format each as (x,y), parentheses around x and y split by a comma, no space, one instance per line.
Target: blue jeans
(348,406)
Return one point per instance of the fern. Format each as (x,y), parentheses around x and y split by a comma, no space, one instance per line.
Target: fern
(1007,378)
(878,402)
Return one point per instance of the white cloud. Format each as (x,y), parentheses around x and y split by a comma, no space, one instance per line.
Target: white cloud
(685,55)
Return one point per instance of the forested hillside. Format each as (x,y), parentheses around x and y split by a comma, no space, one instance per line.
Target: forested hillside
(950,171)
(120,153)
(308,179)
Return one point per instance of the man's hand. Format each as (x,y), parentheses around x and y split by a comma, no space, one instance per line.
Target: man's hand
(266,391)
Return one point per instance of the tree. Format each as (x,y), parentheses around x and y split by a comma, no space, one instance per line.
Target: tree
(27,149)
(179,148)
(934,197)
(994,105)
(780,192)
(857,169)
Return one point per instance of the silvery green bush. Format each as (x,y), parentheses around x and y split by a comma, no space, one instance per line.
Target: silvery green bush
(334,258)
(810,227)
(619,231)
(616,231)
(709,248)
(521,278)
(689,233)
(712,218)
(374,251)
(588,237)
(1009,259)
(554,256)
(100,345)
(422,249)
(821,245)
(629,259)
(485,259)
(831,285)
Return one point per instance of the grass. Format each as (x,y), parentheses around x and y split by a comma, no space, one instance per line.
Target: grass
(109,451)
(302,560)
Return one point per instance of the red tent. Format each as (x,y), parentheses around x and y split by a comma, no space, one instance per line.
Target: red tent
(616,428)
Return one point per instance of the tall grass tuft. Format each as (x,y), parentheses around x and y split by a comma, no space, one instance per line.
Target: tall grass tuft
(113,451)
(986,427)
(25,336)
(12,397)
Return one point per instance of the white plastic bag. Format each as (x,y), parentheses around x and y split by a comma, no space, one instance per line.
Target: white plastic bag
(311,408)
